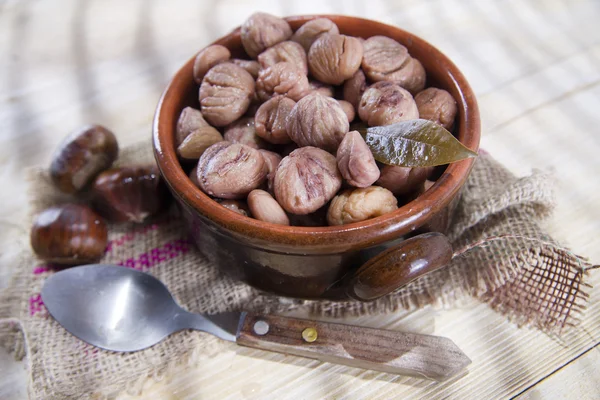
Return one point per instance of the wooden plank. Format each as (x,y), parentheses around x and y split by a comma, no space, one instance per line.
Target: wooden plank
(578,380)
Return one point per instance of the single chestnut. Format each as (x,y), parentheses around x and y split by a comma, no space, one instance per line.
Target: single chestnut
(385,103)
(231,170)
(271,118)
(355,87)
(69,234)
(384,59)
(312,30)
(333,58)
(265,208)
(208,58)
(261,31)
(272,161)
(306,180)
(249,65)
(361,204)
(318,121)
(236,206)
(225,93)
(129,194)
(348,109)
(81,156)
(283,78)
(437,105)
(322,88)
(197,142)
(244,131)
(189,121)
(356,162)
(287,51)
(403,180)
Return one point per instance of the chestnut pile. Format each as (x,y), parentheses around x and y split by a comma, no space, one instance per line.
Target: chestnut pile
(77,233)
(275,135)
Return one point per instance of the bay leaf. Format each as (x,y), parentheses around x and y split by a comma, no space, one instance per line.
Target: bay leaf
(415,143)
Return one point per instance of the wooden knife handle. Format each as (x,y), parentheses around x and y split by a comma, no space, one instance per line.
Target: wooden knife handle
(410,354)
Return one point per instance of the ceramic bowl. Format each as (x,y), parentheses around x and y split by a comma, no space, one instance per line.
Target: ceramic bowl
(310,262)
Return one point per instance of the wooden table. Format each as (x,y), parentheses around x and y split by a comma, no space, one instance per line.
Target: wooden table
(534,66)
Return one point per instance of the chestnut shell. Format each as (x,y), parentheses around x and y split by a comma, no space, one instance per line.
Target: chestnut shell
(129,194)
(69,234)
(81,156)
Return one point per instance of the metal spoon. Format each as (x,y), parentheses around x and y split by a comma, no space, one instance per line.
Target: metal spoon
(121,309)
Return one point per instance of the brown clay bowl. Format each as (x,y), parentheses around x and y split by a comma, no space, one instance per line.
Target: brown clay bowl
(311,262)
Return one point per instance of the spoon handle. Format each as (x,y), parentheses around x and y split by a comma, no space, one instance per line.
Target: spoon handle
(424,356)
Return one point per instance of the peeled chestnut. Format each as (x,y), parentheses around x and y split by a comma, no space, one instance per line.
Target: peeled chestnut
(231,170)
(325,90)
(225,93)
(334,58)
(236,206)
(249,65)
(271,118)
(197,142)
(318,121)
(208,58)
(129,194)
(81,156)
(355,205)
(272,161)
(355,87)
(403,180)
(356,162)
(437,105)
(283,78)
(265,208)
(384,59)
(306,180)
(244,131)
(348,109)
(287,51)
(262,31)
(312,30)
(385,103)
(189,120)
(69,234)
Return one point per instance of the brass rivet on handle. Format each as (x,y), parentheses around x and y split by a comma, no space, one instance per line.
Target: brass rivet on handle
(309,335)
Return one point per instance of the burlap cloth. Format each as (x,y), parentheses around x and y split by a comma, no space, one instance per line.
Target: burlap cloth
(502,257)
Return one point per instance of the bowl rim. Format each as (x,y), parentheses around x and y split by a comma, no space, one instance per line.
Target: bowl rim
(329,238)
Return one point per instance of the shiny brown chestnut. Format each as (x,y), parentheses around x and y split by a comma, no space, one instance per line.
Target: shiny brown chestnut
(69,234)
(81,156)
(129,194)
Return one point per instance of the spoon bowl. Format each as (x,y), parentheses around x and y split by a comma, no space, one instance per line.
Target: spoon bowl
(116,308)
(108,308)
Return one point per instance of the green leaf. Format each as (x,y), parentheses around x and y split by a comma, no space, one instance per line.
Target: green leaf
(415,143)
